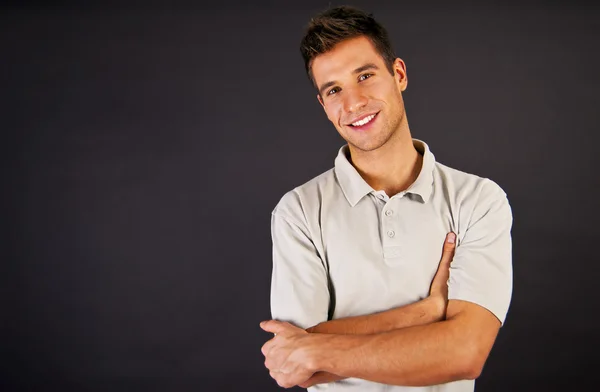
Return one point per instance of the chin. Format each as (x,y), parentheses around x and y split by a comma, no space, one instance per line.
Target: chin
(366,147)
(370,144)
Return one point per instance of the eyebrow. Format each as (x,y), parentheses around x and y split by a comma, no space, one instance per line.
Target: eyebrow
(358,70)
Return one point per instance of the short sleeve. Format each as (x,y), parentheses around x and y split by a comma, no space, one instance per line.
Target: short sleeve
(481,271)
(299,284)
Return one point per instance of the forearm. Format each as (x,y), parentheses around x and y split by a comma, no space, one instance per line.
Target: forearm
(416,356)
(428,310)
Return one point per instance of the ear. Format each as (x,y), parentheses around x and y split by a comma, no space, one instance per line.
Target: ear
(320,99)
(400,74)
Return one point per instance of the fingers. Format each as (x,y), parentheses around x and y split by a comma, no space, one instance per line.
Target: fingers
(267,347)
(307,384)
(318,378)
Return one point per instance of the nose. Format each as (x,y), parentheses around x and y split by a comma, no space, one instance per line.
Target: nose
(354,100)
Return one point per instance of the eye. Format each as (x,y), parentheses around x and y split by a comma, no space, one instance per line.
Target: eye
(333,91)
(365,76)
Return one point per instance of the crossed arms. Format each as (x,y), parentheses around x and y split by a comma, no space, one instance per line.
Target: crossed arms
(429,342)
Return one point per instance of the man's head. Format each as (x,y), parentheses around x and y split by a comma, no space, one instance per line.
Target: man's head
(339,24)
(349,59)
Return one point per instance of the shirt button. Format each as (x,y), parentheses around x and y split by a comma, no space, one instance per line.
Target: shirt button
(391,233)
(389,213)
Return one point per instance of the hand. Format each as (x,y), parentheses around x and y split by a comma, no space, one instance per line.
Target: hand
(320,378)
(439,285)
(288,355)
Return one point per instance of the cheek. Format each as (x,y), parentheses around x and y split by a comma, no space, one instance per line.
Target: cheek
(385,91)
(333,113)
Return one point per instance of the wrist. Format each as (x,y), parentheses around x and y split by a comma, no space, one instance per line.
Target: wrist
(333,350)
(319,352)
(437,305)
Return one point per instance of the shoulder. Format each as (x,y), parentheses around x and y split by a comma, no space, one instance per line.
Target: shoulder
(466,186)
(295,203)
(474,197)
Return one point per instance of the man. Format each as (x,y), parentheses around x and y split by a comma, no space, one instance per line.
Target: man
(360,298)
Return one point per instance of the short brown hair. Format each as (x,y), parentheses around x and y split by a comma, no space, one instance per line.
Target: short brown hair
(335,25)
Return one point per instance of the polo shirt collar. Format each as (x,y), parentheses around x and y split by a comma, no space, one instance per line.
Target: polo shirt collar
(355,187)
(423,185)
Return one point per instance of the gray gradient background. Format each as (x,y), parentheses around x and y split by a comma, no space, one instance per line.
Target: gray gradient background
(144,147)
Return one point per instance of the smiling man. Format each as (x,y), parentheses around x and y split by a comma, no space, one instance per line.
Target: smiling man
(391,271)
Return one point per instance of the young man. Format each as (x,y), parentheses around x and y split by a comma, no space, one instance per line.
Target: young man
(356,248)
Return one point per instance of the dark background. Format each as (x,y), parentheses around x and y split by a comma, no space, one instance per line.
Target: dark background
(144,147)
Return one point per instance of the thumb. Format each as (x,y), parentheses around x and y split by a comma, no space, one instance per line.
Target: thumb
(443,272)
(273,326)
(449,247)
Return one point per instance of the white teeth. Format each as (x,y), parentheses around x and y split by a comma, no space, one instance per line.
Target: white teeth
(364,121)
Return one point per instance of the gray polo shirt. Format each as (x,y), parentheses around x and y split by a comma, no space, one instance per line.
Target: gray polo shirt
(341,248)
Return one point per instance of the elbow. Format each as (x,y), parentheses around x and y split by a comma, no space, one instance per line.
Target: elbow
(473,371)
(473,360)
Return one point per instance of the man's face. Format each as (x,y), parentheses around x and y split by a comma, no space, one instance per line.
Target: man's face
(361,97)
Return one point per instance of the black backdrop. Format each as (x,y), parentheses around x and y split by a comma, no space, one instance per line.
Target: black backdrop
(144,147)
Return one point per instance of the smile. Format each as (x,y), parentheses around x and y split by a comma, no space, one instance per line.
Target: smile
(364,121)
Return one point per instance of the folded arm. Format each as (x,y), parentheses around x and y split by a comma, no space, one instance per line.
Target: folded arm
(440,352)
(426,311)
(300,295)
(455,348)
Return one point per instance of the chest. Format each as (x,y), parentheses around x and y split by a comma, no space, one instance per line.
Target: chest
(383,254)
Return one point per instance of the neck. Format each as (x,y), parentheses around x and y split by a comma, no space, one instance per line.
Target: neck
(392,167)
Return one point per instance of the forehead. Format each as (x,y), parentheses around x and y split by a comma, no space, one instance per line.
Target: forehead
(344,58)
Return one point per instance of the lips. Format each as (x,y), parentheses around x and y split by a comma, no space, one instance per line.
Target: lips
(362,120)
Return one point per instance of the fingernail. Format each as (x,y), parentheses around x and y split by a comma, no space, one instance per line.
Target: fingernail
(451,238)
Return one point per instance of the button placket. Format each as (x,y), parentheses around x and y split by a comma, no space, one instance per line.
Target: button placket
(391,241)
(389,223)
